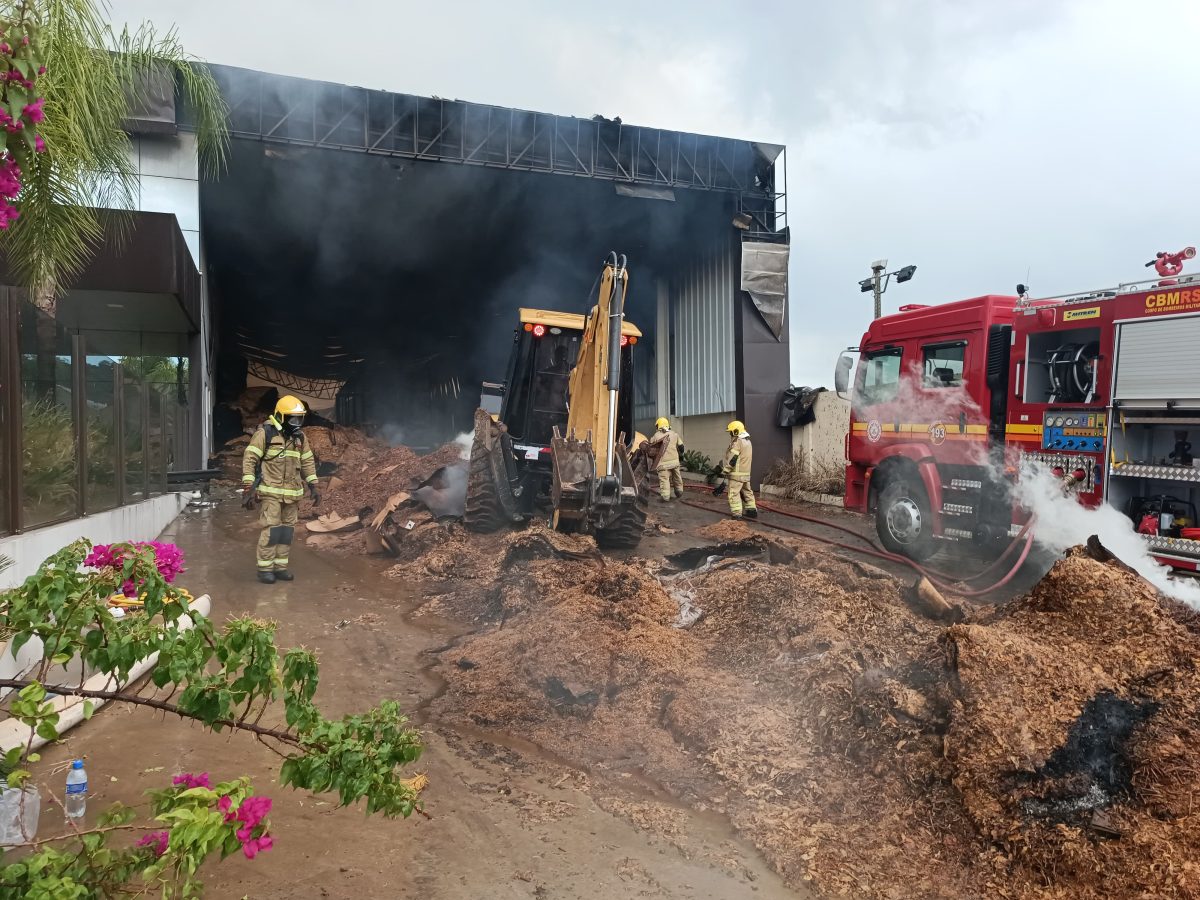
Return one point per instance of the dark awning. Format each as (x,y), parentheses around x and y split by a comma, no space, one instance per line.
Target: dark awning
(152,267)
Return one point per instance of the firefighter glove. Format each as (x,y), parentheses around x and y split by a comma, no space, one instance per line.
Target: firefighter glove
(248,498)
(316,498)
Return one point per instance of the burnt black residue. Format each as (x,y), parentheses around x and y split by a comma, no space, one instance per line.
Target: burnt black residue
(693,557)
(1092,769)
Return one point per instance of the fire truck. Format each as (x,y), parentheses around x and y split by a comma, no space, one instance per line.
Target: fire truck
(1102,388)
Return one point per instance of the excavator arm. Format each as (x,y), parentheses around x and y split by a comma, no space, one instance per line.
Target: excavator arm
(595,487)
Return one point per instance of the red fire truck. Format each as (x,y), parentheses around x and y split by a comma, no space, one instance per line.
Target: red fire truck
(1103,388)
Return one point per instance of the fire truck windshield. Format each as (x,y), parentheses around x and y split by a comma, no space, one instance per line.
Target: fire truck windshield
(880,379)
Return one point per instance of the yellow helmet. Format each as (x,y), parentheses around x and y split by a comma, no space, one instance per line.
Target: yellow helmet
(663,422)
(735,427)
(289,406)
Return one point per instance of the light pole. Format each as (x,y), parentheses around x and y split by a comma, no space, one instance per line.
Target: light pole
(878,282)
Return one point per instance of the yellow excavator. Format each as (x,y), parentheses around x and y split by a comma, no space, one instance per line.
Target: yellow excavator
(560,439)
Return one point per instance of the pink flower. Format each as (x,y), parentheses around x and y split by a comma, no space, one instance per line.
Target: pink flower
(190,781)
(259,845)
(41,70)
(38,144)
(34,110)
(157,840)
(224,803)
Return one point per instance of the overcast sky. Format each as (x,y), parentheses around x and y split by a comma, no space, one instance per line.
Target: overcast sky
(985,141)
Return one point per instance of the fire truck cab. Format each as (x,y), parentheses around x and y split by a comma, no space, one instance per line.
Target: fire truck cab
(925,409)
(1101,388)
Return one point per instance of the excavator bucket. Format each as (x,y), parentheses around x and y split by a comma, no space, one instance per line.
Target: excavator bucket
(572,486)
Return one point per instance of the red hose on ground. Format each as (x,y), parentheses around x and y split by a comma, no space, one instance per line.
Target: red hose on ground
(940,578)
(892,557)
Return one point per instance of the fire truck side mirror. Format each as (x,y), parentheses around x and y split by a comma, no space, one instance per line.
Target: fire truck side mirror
(841,375)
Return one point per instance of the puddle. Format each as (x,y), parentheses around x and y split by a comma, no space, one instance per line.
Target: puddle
(693,558)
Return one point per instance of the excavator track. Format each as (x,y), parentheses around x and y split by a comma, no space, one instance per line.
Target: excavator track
(490,505)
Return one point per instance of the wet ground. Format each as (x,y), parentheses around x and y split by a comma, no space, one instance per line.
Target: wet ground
(507,820)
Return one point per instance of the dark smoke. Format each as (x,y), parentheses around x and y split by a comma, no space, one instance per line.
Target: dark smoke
(417,268)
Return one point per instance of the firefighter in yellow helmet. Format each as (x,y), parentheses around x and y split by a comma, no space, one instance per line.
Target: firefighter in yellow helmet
(275,468)
(670,482)
(736,467)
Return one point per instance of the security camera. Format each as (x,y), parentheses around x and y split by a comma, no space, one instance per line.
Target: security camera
(879,264)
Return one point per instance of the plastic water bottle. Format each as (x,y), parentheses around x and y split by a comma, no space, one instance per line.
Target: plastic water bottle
(76,790)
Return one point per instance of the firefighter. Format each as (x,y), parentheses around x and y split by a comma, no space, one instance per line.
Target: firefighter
(736,467)
(277,464)
(670,482)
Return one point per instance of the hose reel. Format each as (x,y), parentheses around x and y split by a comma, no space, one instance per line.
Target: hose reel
(1072,371)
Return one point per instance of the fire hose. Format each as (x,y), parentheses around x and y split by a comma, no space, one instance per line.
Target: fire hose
(1024,538)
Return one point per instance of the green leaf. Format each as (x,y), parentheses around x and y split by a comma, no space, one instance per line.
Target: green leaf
(88,709)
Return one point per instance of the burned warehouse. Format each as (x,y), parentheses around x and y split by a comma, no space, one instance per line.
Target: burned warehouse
(370,252)
(378,246)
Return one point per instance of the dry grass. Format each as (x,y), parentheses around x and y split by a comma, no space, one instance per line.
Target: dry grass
(800,475)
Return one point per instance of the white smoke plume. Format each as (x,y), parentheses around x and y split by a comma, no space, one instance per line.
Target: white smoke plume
(464,442)
(1062,523)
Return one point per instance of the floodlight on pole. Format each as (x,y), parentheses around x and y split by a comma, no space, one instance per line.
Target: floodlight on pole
(879,279)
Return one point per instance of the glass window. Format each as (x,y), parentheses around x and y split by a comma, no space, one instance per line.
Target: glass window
(8,410)
(133,402)
(103,491)
(944,365)
(49,451)
(880,376)
(156,448)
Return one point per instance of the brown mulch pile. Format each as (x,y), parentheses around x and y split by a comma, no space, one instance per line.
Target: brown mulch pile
(368,475)
(1043,749)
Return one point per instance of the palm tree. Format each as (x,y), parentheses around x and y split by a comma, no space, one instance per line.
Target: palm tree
(74,191)
(94,76)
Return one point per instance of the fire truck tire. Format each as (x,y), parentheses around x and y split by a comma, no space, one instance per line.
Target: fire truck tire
(903,520)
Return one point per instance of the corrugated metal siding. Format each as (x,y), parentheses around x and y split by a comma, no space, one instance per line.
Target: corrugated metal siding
(1157,360)
(702,309)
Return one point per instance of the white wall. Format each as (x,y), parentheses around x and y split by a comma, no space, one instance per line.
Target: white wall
(705,434)
(136,522)
(169,182)
(823,441)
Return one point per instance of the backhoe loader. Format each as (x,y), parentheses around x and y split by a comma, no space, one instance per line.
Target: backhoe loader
(563,442)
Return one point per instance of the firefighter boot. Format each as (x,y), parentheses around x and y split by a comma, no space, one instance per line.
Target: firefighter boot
(283,575)
(266,577)
(749,512)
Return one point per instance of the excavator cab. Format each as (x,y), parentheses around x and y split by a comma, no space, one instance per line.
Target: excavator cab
(560,440)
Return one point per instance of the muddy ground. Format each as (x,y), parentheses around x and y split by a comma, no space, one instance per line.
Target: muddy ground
(765,718)
(508,820)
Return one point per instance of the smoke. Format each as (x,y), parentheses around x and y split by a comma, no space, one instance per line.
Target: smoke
(444,493)
(912,402)
(1061,522)
(464,441)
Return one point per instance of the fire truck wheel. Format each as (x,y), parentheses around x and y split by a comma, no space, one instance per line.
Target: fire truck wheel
(903,520)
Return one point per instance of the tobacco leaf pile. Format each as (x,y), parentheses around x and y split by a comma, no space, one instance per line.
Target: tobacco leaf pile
(1042,749)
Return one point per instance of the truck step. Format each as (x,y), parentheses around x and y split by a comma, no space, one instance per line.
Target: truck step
(958,509)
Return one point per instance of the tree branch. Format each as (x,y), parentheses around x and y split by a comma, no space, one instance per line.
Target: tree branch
(284,737)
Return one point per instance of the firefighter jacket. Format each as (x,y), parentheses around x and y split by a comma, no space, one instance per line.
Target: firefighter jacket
(672,447)
(738,457)
(284,463)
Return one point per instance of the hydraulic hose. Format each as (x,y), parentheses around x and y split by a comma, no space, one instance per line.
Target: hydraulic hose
(938,579)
